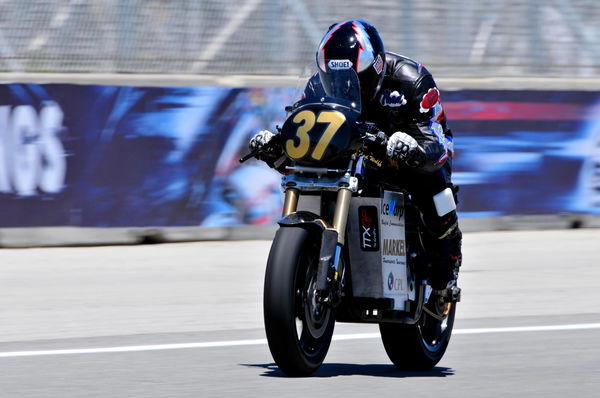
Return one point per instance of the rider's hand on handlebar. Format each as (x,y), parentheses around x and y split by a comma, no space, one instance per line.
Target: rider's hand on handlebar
(265,146)
(405,149)
(373,139)
(377,139)
(259,140)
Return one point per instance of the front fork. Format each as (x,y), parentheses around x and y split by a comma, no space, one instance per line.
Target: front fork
(329,272)
(290,203)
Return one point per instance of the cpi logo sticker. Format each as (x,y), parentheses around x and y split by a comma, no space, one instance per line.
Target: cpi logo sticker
(394,283)
(337,64)
(390,281)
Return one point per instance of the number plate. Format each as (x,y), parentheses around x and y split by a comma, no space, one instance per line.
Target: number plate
(316,133)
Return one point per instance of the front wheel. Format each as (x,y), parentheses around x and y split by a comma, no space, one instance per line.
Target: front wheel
(298,328)
(422,345)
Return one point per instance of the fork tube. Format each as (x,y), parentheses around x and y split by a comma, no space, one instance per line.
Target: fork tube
(340,216)
(290,203)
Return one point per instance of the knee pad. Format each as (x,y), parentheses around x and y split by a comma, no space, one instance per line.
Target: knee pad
(444,227)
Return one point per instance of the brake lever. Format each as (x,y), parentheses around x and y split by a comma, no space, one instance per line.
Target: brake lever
(371,134)
(379,139)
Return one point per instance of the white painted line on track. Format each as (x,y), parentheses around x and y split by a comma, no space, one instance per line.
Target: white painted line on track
(233,343)
(518,329)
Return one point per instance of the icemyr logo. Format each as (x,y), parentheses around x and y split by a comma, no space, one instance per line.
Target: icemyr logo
(392,208)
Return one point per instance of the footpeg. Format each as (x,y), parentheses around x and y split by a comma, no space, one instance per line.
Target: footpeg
(450,294)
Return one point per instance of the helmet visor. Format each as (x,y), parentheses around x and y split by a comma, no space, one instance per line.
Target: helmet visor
(342,84)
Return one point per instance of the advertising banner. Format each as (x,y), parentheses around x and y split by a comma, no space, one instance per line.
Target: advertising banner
(526,152)
(102,156)
(111,156)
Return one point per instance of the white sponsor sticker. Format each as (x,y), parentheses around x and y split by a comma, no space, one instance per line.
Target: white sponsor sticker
(337,64)
(393,250)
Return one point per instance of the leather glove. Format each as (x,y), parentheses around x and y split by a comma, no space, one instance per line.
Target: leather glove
(267,147)
(260,139)
(403,148)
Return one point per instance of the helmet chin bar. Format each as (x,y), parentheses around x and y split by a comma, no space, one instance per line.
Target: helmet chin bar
(370,83)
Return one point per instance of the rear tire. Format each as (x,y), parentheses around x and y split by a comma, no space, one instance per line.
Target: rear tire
(298,329)
(422,345)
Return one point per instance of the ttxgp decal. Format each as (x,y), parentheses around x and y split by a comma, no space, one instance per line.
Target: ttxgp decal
(369,228)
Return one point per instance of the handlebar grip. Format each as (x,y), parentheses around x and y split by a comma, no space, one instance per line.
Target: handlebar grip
(249,156)
(372,134)
(379,139)
(267,148)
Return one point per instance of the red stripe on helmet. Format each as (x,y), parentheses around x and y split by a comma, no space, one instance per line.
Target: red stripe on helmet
(361,48)
(332,31)
(326,40)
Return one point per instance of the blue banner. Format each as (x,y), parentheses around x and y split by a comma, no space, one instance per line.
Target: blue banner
(526,152)
(107,156)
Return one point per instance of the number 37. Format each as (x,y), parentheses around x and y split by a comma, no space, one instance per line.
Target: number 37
(306,121)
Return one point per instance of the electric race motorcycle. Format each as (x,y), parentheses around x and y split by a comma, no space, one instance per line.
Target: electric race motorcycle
(349,247)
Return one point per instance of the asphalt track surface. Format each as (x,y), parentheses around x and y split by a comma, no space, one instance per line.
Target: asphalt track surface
(185,320)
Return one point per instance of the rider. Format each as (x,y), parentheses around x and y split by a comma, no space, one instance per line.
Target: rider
(400,96)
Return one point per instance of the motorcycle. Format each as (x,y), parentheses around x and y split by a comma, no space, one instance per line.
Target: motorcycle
(350,246)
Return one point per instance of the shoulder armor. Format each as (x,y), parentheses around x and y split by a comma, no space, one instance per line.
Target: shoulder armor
(404,68)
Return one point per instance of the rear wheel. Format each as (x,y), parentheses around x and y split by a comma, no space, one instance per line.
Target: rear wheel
(298,328)
(422,345)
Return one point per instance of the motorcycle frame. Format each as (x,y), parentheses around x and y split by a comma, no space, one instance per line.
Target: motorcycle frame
(332,279)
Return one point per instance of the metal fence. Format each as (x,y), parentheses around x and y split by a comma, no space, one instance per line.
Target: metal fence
(454,38)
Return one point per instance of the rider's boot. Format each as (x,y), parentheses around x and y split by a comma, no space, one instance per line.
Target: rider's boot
(443,246)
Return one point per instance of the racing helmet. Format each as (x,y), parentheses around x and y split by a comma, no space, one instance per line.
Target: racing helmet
(353,44)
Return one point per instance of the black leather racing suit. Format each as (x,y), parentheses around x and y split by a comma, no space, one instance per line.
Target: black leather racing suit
(408,101)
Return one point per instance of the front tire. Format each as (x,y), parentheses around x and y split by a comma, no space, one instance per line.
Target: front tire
(422,345)
(298,329)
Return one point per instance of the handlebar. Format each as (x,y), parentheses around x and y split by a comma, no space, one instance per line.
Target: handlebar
(249,156)
(265,149)
(376,139)
(372,136)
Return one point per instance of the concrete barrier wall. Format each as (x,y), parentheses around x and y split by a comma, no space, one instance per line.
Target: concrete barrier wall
(81,236)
